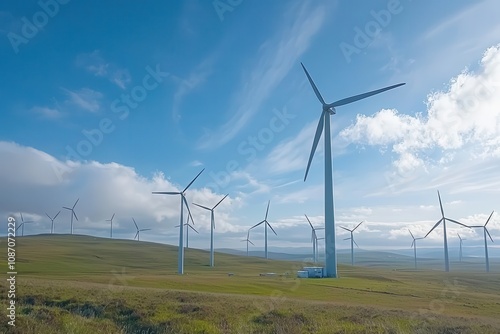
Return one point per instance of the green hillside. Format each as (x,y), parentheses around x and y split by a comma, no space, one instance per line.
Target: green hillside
(78,283)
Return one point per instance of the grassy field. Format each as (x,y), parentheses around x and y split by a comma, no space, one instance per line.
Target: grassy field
(82,284)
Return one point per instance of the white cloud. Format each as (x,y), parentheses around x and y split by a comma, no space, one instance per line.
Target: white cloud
(46,112)
(466,116)
(276,57)
(85,98)
(95,64)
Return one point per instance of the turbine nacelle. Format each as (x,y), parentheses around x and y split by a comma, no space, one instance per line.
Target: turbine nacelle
(329,109)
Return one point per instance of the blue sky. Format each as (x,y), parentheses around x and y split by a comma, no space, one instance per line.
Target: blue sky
(108,103)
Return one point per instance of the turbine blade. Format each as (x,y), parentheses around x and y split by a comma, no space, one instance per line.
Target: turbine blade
(166,192)
(113,216)
(136,235)
(412,243)
(220,201)
(145,229)
(309,221)
(488,232)
(355,243)
(257,224)
(203,207)
(48,215)
(74,214)
(348,238)
(267,210)
(76,203)
(345,228)
(459,237)
(489,218)
(362,96)
(21,216)
(319,131)
(193,228)
(57,214)
(357,226)
(19,226)
(251,242)
(456,222)
(316,91)
(187,206)
(440,204)
(135,224)
(190,183)
(271,228)
(65,207)
(432,229)
(411,234)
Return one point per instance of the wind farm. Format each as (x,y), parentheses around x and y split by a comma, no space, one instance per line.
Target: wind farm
(140,154)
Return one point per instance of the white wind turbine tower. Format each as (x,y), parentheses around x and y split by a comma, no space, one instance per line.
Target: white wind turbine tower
(460,253)
(352,240)
(52,221)
(72,213)
(180,265)
(111,230)
(324,124)
(212,227)
(23,223)
(248,240)
(188,226)
(266,224)
(485,231)
(414,245)
(314,239)
(443,220)
(138,234)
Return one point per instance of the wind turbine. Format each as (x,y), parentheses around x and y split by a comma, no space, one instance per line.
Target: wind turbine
(22,224)
(314,239)
(414,245)
(324,124)
(352,241)
(212,227)
(137,235)
(248,240)
(443,220)
(111,220)
(266,223)
(461,242)
(52,221)
(485,231)
(188,226)
(180,265)
(72,213)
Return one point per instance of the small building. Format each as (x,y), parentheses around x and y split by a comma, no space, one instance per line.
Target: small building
(315,272)
(302,274)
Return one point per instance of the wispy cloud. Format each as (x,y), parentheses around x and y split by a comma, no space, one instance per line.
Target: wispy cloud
(46,112)
(94,63)
(276,57)
(85,98)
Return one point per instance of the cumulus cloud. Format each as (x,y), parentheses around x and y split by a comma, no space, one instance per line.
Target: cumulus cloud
(466,115)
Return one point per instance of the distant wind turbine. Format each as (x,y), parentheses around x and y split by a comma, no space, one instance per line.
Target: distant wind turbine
(180,264)
(324,124)
(266,224)
(248,240)
(52,221)
(314,239)
(23,223)
(111,221)
(414,245)
(485,231)
(138,234)
(188,226)
(212,227)
(460,254)
(443,220)
(72,213)
(352,241)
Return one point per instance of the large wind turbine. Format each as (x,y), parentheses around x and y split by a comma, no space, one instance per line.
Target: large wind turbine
(188,226)
(180,265)
(72,213)
(314,239)
(111,221)
(52,221)
(414,245)
(485,231)
(138,234)
(352,241)
(324,124)
(266,224)
(212,227)
(443,220)
(22,224)
(248,240)
(460,253)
